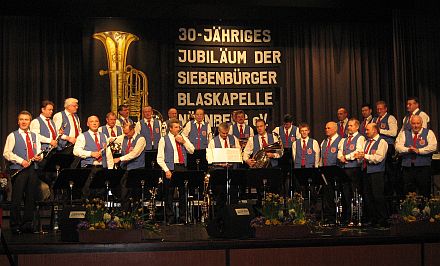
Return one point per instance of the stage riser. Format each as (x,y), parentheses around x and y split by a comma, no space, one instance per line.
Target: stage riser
(389,255)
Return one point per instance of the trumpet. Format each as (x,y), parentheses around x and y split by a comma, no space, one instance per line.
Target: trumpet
(206,204)
(356,209)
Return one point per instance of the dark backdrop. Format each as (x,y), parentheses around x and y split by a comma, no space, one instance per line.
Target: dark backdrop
(330,61)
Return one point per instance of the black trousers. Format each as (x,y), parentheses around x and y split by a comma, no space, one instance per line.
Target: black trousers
(169,186)
(350,185)
(417,179)
(374,197)
(24,185)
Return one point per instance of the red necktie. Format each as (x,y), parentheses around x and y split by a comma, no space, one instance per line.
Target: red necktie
(199,128)
(151,132)
(112,132)
(30,151)
(364,165)
(413,157)
(341,129)
(303,154)
(287,137)
(75,126)
(226,143)
(179,151)
(126,121)
(378,120)
(349,140)
(51,128)
(98,145)
(263,141)
(329,140)
(241,132)
(127,150)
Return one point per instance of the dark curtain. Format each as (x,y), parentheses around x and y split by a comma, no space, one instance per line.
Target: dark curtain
(332,65)
(416,44)
(40,59)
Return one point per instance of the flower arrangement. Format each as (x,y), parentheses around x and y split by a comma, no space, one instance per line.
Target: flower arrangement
(3,186)
(98,216)
(416,208)
(277,210)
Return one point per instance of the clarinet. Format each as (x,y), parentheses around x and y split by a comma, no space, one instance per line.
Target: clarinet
(58,137)
(30,162)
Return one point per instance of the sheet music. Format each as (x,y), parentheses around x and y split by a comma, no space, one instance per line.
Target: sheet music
(225,155)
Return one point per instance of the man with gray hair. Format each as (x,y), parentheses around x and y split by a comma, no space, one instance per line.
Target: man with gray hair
(416,147)
(68,120)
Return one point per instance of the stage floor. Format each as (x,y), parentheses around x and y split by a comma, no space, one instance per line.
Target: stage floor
(191,245)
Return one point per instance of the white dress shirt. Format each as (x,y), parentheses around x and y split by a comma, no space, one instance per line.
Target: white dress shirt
(380,153)
(423,115)
(187,129)
(80,151)
(58,120)
(360,144)
(332,139)
(161,150)
(10,144)
(430,148)
(251,130)
(137,149)
(277,131)
(392,123)
(35,127)
(316,149)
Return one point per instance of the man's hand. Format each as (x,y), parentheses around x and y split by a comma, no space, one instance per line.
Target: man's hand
(95,154)
(116,160)
(37,158)
(251,162)
(71,140)
(25,164)
(180,139)
(53,143)
(168,174)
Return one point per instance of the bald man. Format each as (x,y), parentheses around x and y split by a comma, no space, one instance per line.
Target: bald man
(416,147)
(91,147)
(373,159)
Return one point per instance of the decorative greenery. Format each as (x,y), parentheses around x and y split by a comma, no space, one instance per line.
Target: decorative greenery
(98,216)
(417,208)
(277,210)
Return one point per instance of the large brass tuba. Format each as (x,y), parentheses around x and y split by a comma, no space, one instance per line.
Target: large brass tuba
(127,84)
(261,158)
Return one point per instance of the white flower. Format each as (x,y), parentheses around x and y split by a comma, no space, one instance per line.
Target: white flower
(291,212)
(107,217)
(415,211)
(427,210)
(280,214)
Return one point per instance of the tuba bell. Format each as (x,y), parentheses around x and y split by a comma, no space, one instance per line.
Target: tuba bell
(261,158)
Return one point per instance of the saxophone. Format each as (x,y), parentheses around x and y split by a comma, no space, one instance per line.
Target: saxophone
(206,204)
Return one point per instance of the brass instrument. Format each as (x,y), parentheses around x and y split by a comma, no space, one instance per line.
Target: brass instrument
(163,126)
(206,204)
(356,209)
(127,84)
(261,158)
(339,207)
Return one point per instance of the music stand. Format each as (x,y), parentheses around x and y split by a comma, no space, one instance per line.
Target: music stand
(188,179)
(264,177)
(151,159)
(70,178)
(108,179)
(226,155)
(197,160)
(226,177)
(334,175)
(307,177)
(57,161)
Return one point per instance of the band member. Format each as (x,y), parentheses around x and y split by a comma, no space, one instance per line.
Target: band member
(329,146)
(91,147)
(172,114)
(149,128)
(348,148)
(22,149)
(133,156)
(342,122)
(412,108)
(69,121)
(240,129)
(222,141)
(305,150)
(199,134)
(45,127)
(124,115)
(329,153)
(416,147)
(387,125)
(373,159)
(367,117)
(258,142)
(111,130)
(288,133)
(172,156)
